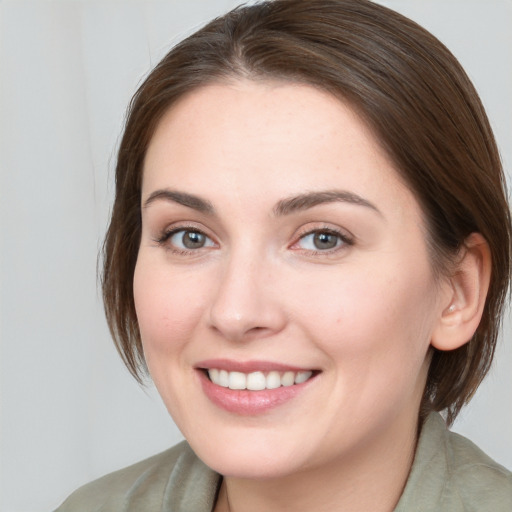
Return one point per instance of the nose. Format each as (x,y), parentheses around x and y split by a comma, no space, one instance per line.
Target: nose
(247,304)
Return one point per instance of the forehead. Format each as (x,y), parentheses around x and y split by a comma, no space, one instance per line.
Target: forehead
(266,139)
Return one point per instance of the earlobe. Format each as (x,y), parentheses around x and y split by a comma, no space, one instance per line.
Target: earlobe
(462,311)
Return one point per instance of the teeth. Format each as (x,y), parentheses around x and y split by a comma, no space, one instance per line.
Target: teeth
(273,380)
(257,381)
(237,380)
(302,377)
(214,375)
(223,378)
(288,379)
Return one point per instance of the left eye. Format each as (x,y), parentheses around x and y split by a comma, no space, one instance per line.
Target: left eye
(187,239)
(320,241)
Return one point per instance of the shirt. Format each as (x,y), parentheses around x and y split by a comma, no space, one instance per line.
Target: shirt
(449,474)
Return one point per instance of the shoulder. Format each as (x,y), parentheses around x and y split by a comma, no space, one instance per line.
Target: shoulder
(450,473)
(480,482)
(172,480)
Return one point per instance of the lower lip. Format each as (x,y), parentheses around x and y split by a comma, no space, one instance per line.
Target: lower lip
(249,403)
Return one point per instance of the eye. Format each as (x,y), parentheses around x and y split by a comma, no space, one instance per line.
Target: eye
(188,239)
(322,240)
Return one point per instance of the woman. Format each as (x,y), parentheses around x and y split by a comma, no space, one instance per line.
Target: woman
(309,251)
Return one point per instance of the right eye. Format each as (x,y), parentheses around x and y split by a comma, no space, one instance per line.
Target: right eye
(321,241)
(188,239)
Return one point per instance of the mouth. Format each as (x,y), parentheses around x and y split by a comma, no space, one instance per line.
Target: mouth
(258,380)
(252,388)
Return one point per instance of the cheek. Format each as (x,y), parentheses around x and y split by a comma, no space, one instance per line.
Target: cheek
(376,334)
(168,308)
(367,317)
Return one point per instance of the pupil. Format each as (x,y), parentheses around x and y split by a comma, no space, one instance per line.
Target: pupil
(193,240)
(325,241)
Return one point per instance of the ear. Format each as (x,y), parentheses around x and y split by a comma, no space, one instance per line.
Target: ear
(465,300)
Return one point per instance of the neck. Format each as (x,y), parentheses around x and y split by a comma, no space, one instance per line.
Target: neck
(371,479)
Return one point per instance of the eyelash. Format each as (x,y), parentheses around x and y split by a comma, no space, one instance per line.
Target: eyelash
(344,240)
(166,235)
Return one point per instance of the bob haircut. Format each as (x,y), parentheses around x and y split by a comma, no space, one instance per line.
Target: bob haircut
(412,93)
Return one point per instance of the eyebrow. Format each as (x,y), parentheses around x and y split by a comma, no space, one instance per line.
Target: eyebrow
(284,207)
(189,200)
(309,200)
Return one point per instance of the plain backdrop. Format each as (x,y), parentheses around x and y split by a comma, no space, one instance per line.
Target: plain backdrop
(70,412)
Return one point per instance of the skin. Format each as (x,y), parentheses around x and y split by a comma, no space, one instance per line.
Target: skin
(362,314)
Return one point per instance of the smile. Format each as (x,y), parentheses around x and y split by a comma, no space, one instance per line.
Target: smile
(252,387)
(257,381)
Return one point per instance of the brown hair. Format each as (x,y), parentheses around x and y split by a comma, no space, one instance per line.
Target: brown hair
(410,90)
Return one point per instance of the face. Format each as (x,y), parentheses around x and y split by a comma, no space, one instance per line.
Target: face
(283,288)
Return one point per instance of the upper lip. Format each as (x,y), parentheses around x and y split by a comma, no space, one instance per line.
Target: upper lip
(247,366)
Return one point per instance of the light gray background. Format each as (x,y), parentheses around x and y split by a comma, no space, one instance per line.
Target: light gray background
(69,410)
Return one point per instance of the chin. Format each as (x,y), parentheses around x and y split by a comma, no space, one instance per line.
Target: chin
(247,466)
(255,457)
